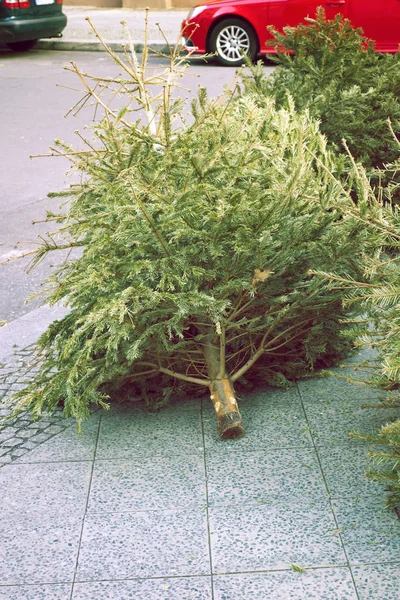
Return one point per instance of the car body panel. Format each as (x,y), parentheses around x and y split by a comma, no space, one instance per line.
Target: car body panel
(379,19)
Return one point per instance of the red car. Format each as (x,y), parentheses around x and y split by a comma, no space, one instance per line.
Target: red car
(231,28)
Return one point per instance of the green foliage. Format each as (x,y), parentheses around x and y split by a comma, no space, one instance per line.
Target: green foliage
(298,568)
(330,69)
(189,231)
(386,462)
(379,296)
(334,74)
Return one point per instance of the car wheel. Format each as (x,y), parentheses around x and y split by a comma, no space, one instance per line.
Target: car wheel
(232,39)
(22,46)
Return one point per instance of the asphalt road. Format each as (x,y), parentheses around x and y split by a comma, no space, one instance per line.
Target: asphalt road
(33,105)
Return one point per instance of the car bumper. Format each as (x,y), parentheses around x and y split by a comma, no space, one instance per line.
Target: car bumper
(193,38)
(17,29)
(188,46)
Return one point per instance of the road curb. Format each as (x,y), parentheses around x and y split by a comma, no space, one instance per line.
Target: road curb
(91,46)
(25,330)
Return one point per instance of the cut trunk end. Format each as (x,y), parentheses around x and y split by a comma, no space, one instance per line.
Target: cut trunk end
(228,416)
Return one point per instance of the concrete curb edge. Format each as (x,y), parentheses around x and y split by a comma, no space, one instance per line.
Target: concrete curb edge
(91,46)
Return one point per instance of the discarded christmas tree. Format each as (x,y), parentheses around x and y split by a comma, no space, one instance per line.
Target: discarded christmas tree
(379,295)
(196,243)
(329,68)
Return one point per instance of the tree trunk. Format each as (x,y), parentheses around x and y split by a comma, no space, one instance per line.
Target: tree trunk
(221,387)
(228,416)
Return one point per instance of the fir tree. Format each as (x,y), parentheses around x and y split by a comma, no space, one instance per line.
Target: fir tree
(196,242)
(332,70)
(379,296)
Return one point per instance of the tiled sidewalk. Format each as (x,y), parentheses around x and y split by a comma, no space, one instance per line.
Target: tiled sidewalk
(155,506)
(20,434)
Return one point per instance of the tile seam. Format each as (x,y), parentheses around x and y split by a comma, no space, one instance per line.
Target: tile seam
(85,511)
(207,502)
(328,492)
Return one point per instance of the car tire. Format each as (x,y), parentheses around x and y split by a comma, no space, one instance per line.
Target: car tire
(22,46)
(230,40)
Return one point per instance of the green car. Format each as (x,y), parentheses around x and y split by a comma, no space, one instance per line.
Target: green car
(23,22)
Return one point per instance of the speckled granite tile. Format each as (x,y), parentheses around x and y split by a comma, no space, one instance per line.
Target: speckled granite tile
(169,432)
(67,445)
(358,365)
(5,459)
(363,353)
(378,582)
(344,469)
(144,544)
(184,588)
(271,420)
(147,484)
(333,408)
(264,477)
(39,550)
(36,592)
(320,389)
(370,532)
(49,488)
(318,584)
(259,538)
(175,404)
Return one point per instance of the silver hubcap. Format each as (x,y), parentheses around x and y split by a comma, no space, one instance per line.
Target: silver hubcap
(233,43)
